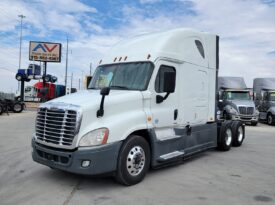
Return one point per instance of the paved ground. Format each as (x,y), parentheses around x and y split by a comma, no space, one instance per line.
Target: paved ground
(243,175)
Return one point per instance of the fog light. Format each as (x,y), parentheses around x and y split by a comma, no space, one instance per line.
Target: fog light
(85,163)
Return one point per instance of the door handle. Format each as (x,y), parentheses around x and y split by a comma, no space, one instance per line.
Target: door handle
(175,114)
(188,130)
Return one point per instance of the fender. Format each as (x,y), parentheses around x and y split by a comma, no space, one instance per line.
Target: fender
(271,110)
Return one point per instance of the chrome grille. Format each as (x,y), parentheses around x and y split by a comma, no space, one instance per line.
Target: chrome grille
(246,110)
(56,126)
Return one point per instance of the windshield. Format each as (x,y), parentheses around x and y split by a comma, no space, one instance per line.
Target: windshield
(272,96)
(237,95)
(124,76)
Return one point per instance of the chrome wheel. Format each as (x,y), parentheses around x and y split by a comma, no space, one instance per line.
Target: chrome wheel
(269,119)
(228,137)
(17,107)
(135,161)
(240,134)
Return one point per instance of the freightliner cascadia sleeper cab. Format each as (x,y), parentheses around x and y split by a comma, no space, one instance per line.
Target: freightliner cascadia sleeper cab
(152,101)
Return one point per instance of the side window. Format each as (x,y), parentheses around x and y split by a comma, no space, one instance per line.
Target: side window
(200,47)
(159,83)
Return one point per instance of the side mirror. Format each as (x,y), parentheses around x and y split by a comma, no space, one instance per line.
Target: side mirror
(104,91)
(169,85)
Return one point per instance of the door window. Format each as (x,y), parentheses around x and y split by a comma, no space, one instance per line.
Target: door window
(159,83)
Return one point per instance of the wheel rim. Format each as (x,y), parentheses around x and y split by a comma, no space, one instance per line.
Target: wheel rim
(269,119)
(228,137)
(240,134)
(135,161)
(17,107)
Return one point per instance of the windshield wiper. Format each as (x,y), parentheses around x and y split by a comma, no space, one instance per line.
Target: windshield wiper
(119,87)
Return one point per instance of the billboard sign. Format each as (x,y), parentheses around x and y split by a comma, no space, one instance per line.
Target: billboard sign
(45,51)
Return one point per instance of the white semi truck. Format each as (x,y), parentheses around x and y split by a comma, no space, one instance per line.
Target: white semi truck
(264,96)
(152,101)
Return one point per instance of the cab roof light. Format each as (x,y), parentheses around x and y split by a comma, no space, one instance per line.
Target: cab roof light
(100,61)
(125,58)
(149,56)
(115,59)
(120,58)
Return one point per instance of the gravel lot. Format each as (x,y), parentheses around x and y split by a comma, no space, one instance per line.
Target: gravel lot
(244,175)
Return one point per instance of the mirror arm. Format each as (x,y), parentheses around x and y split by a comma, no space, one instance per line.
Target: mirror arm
(100,112)
(160,98)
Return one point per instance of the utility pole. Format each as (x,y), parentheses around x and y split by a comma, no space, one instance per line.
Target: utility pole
(82,76)
(66,69)
(72,76)
(79,84)
(20,47)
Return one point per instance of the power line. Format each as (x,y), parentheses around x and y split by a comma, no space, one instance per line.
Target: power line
(7,70)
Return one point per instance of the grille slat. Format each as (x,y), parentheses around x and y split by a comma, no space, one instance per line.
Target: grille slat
(56,126)
(246,110)
(54,137)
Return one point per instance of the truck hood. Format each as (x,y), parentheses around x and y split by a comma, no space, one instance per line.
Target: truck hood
(92,98)
(121,108)
(244,103)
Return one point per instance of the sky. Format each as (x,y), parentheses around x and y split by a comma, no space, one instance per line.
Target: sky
(246,29)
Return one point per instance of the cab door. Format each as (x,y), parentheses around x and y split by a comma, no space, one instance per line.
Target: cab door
(164,114)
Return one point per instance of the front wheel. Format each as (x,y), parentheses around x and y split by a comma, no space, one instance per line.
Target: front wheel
(133,160)
(17,107)
(270,120)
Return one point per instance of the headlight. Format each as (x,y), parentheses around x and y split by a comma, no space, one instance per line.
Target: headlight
(232,111)
(95,137)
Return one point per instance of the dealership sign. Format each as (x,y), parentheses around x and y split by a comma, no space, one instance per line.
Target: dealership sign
(45,51)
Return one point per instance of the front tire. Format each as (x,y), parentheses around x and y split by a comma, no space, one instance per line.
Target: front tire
(17,107)
(270,120)
(133,160)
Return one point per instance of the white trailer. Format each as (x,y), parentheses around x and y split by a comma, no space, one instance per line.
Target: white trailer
(152,101)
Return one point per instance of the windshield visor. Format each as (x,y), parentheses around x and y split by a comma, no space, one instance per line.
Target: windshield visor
(124,76)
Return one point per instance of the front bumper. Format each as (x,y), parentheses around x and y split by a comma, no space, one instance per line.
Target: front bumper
(103,159)
(246,118)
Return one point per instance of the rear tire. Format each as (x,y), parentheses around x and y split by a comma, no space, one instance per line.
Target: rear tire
(17,107)
(133,161)
(226,136)
(238,133)
(1,109)
(18,77)
(270,120)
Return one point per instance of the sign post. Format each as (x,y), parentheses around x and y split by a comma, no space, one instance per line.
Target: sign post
(45,52)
